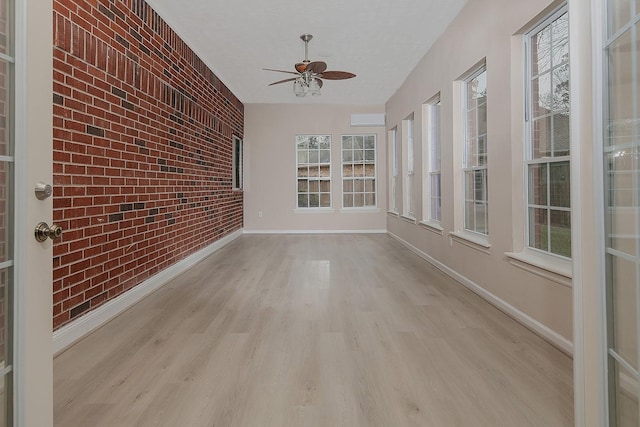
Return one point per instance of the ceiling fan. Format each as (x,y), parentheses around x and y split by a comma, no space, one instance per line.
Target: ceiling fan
(309,74)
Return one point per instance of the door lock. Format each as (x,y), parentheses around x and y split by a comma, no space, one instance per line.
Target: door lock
(43,231)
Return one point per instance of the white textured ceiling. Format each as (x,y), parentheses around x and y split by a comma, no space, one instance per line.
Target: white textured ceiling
(380,41)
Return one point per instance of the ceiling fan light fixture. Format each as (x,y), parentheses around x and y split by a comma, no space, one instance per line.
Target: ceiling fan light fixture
(310,74)
(298,88)
(314,87)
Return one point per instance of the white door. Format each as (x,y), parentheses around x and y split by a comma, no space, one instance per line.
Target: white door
(621,150)
(25,264)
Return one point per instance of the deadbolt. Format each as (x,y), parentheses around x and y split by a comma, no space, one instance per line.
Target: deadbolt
(43,231)
(43,190)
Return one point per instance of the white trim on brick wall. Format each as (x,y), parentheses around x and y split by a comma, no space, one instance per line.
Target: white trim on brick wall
(74,331)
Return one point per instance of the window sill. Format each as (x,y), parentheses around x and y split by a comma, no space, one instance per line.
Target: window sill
(359,210)
(472,240)
(432,226)
(408,218)
(393,213)
(313,211)
(547,266)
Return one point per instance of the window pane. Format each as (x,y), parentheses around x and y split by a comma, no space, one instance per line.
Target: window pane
(358,155)
(624,308)
(325,171)
(622,209)
(314,200)
(560,36)
(369,142)
(560,185)
(619,14)
(621,93)
(347,156)
(541,50)
(538,229)
(538,184)
(481,218)
(325,156)
(325,200)
(303,186)
(541,138)
(541,95)
(347,186)
(369,185)
(313,156)
(482,120)
(347,200)
(561,89)
(5,248)
(370,171)
(303,200)
(358,142)
(469,216)
(560,229)
(468,185)
(561,142)
(480,185)
(325,186)
(472,153)
(4,28)
(347,142)
(4,110)
(369,155)
(625,395)
(370,199)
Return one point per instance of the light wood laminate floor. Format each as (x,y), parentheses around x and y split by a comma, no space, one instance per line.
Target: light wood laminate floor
(320,330)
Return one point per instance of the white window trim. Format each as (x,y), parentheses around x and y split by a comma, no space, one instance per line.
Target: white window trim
(375,177)
(392,138)
(328,209)
(408,159)
(427,172)
(542,260)
(476,71)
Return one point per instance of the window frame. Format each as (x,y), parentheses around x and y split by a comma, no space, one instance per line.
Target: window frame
(393,169)
(408,159)
(319,178)
(238,164)
(466,168)
(365,178)
(529,159)
(431,137)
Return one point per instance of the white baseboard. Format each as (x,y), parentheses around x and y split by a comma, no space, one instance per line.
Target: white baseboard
(545,332)
(72,332)
(315,231)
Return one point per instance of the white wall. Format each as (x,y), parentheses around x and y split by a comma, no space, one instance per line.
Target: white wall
(270,167)
(484,29)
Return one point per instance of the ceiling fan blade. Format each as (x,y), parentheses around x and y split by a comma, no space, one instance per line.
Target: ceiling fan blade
(317,67)
(337,75)
(284,81)
(279,71)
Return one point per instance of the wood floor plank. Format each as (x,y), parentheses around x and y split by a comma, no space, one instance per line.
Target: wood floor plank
(318,330)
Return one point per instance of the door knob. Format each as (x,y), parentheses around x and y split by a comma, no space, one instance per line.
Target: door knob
(43,231)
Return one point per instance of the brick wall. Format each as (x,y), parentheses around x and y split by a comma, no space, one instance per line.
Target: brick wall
(142,151)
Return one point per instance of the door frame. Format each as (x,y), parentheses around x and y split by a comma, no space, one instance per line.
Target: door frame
(33,130)
(586,26)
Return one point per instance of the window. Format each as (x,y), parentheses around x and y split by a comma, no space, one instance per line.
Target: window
(237,164)
(358,171)
(476,203)
(313,171)
(547,122)
(393,169)
(432,201)
(408,208)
